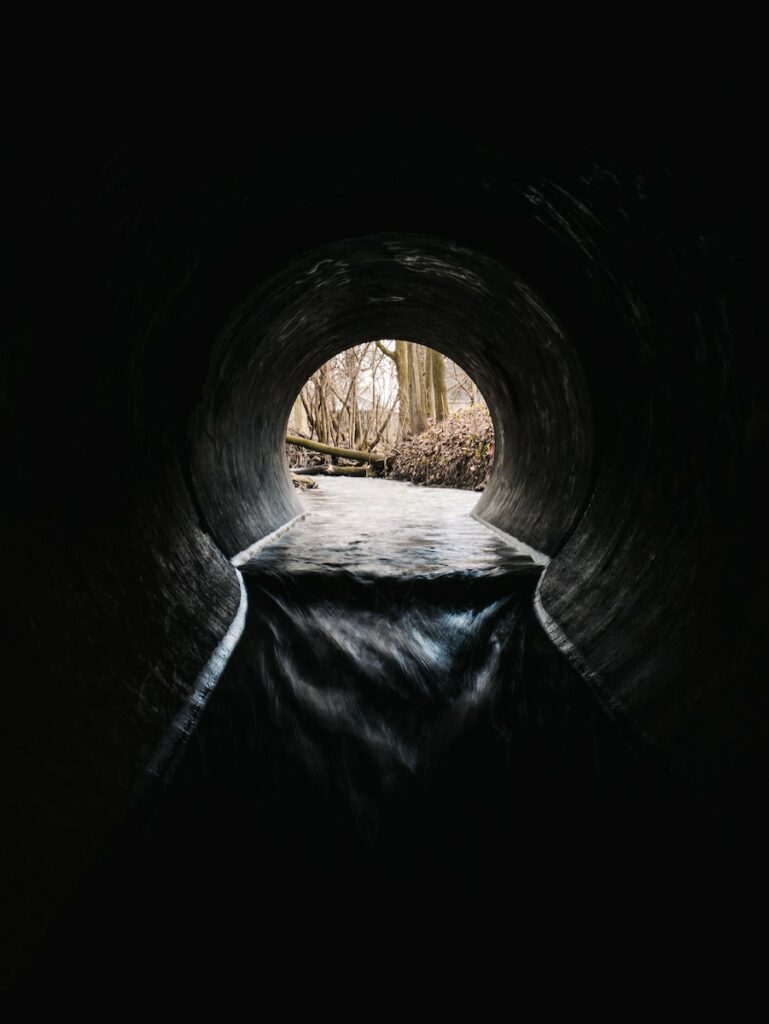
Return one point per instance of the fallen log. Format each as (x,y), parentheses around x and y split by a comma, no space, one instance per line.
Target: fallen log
(341,453)
(334,471)
(311,471)
(348,471)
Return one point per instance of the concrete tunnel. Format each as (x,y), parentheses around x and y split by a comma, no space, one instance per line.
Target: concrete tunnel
(170,299)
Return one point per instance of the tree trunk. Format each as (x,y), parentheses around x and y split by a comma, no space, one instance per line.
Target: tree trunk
(340,453)
(439,385)
(416,411)
(426,379)
(401,367)
(298,422)
(325,422)
(400,357)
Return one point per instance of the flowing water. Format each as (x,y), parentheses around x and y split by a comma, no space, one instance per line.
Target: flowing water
(393,736)
(377,529)
(378,627)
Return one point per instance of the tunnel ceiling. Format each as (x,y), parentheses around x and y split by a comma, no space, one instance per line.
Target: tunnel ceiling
(168,295)
(429,291)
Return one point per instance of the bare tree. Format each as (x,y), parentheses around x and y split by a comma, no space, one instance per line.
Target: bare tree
(437,363)
(380,390)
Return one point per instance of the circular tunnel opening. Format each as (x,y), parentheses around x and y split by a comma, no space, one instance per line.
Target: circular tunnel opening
(393,409)
(386,628)
(390,619)
(461,303)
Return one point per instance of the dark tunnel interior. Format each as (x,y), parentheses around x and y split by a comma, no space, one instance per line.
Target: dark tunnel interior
(169,299)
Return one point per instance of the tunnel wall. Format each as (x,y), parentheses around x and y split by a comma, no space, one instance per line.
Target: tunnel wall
(428,291)
(114,597)
(658,497)
(649,595)
(132,258)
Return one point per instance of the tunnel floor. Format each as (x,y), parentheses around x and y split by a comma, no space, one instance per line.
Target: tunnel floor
(379,528)
(395,754)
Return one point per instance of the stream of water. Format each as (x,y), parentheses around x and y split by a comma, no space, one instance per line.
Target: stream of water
(378,627)
(394,738)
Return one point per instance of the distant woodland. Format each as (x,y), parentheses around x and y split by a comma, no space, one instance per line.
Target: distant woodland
(379,393)
(394,409)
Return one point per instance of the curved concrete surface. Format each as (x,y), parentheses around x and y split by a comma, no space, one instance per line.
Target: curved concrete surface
(172,297)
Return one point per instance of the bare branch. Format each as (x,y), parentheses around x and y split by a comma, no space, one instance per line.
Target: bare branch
(387,351)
